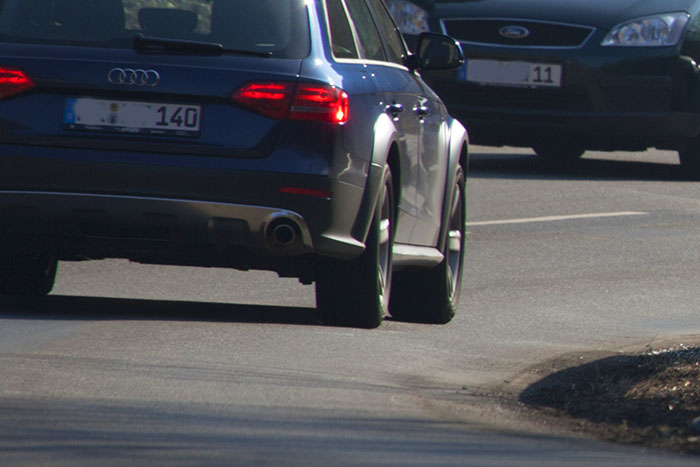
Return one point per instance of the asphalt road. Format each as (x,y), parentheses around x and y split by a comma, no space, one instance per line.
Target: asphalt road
(144,365)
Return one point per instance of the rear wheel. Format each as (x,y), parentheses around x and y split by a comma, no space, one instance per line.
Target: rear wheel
(431,295)
(356,293)
(689,158)
(31,275)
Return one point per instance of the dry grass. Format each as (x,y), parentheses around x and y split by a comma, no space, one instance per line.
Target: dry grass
(649,399)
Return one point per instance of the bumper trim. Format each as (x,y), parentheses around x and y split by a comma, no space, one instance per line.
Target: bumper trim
(178,220)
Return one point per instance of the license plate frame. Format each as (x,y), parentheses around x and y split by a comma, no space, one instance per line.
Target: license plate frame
(127,116)
(511,73)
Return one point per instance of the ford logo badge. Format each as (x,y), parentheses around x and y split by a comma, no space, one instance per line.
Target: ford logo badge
(514,32)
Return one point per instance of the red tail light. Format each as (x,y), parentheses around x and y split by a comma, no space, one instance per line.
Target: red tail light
(302,101)
(270,99)
(320,102)
(13,81)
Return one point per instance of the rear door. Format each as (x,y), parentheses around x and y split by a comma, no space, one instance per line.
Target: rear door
(428,114)
(421,120)
(399,92)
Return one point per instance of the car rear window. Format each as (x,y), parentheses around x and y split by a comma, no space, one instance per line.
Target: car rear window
(276,26)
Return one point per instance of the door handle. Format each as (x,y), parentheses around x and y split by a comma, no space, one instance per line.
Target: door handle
(394,109)
(422,110)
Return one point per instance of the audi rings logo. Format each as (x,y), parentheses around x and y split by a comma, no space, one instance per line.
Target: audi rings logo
(133,77)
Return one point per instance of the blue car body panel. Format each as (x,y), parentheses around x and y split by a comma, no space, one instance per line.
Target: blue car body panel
(212,197)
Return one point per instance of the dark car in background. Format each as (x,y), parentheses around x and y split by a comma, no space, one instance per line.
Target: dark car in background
(564,76)
(293,136)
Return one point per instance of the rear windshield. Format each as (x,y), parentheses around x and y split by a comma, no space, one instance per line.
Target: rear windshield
(279,27)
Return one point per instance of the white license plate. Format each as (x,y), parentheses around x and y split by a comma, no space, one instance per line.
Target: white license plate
(132,117)
(505,73)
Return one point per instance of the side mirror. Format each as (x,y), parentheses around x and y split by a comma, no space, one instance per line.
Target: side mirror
(436,52)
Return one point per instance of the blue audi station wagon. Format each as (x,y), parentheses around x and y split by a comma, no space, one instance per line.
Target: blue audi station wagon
(295,136)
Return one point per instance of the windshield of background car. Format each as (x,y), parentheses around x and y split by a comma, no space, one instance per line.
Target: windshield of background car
(279,27)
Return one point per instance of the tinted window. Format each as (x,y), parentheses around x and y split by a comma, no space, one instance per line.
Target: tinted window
(392,37)
(341,34)
(277,26)
(370,41)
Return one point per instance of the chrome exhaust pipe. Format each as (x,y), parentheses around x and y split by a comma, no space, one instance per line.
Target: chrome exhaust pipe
(284,233)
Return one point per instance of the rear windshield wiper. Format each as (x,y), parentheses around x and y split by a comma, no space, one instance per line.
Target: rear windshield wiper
(160,45)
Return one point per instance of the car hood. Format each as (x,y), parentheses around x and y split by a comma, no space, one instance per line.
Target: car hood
(597,13)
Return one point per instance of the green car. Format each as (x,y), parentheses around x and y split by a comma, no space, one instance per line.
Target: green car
(563,77)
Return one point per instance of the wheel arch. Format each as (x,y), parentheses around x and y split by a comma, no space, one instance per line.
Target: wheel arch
(458,156)
(385,153)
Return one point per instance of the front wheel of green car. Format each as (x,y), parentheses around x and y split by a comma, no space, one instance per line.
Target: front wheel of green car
(30,275)
(356,293)
(431,295)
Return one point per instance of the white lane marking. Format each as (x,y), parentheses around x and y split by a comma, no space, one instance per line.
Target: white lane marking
(559,218)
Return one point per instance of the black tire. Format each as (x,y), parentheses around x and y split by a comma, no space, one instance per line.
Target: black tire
(553,153)
(690,159)
(431,295)
(30,276)
(356,293)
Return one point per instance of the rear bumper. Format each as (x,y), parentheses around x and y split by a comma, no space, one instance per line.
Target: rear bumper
(188,209)
(68,217)
(75,226)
